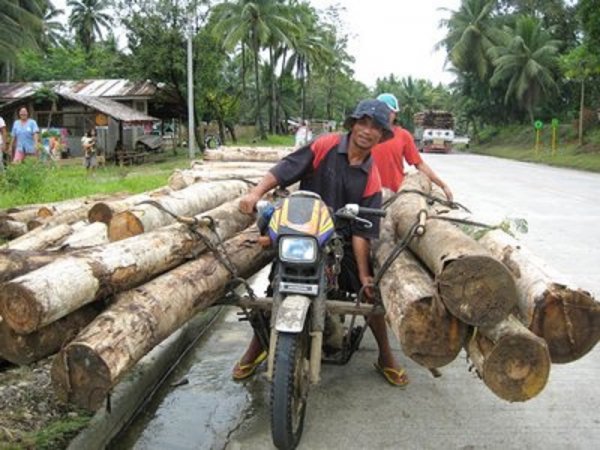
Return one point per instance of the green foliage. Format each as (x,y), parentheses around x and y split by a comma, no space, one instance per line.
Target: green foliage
(24,182)
(87,19)
(589,14)
(20,26)
(58,433)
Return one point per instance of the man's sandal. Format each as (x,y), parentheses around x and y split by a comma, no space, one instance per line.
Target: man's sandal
(243,371)
(396,377)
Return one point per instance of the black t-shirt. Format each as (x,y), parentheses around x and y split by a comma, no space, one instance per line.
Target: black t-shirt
(322,167)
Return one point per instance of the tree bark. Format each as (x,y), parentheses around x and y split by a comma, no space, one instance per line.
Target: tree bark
(428,334)
(41,297)
(475,287)
(67,217)
(42,238)
(512,361)
(104,211)
(25,349)
(90,235)
(87,369)
(180,179)
(17,262)
(567,318)
(10,229)
(246,154)
(55,209)
(187,202)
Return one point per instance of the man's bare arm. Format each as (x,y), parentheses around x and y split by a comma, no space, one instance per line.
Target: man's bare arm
(248,201)
(424,167)
(362,251)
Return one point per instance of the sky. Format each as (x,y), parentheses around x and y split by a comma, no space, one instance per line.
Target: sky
(390,37)
(395,37)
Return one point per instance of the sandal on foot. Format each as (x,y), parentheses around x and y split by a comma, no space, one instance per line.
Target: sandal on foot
(396,377)
(243,371)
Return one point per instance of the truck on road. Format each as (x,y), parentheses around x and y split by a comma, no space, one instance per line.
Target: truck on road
(434,131)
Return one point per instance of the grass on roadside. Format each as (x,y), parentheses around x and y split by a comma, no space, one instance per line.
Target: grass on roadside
(33,182)
(518,143)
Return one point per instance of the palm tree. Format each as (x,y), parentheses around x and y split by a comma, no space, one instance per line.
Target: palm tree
(20,25)
(252,23)
(471,33)
(87,19)
(53,29)
(526,60)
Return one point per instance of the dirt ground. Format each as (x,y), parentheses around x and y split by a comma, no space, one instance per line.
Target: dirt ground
(30,415)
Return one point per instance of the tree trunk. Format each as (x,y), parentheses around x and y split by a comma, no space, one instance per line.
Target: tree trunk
(475,287)
(88,368)
(429,335)
(66,217)
(89,236)
(42,238)
(28,348)
(181,179)
(187,202)
(248,154)
(17,262)
(10,229)
(568,319)
(41,297)
(512,361)
(54,209)
(104,211)
(261,128)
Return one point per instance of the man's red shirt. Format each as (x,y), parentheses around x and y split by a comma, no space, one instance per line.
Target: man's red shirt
(389,158)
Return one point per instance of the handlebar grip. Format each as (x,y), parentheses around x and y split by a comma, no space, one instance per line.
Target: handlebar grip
(372,211)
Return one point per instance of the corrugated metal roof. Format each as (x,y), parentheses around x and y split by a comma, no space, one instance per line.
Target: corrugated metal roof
(119,88)
(111,108)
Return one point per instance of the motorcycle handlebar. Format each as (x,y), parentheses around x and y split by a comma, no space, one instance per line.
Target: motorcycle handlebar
(372,211)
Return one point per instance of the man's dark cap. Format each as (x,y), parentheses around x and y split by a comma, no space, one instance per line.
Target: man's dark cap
(376,110)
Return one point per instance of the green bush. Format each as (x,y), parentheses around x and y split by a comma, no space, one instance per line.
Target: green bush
(25,181)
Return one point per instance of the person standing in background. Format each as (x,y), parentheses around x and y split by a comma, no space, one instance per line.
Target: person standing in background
(389,156)
(26,136)
(303,134)
(3,142)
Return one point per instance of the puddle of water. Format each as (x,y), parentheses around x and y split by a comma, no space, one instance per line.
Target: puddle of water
(199,405)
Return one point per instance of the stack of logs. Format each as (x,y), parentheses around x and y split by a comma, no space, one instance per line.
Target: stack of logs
(434,119)
(105,287)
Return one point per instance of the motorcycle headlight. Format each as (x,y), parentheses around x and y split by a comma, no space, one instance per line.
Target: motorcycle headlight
(298,249)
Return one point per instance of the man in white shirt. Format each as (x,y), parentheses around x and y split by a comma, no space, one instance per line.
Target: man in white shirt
(3,142)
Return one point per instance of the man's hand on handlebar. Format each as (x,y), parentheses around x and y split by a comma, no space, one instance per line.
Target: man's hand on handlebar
(248,202)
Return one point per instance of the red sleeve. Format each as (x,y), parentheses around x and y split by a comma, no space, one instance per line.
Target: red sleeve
(411,154)
(373,185)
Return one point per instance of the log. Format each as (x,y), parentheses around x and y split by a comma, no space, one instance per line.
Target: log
(475,287)
(38,298)
(17,262)
(104,211)
(567,318)
(187,202)
(55,209)
(427,332)
(512,361)
(88,368)
(10,229)
(246,154)
(180,179)
(67,217)
(88,236)
(25,349)
(42,238)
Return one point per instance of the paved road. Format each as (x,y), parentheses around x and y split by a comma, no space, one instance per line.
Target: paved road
(353,408)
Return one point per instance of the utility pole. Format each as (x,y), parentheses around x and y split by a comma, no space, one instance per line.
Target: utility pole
(190,82)
(582,101)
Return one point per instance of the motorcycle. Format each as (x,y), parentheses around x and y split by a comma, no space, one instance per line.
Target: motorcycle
(308,321)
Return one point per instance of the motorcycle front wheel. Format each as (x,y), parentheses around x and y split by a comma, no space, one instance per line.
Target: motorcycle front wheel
(289,389)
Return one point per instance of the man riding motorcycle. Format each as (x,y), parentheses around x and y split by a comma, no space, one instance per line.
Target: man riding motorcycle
(339,168)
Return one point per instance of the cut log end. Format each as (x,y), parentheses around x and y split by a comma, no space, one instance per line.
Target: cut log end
(124,225)
(87,380)
(479,290)
(100,212)
(429,335)
(33,224)
(44,211)
(19,308)
(569,322)
(517,367)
